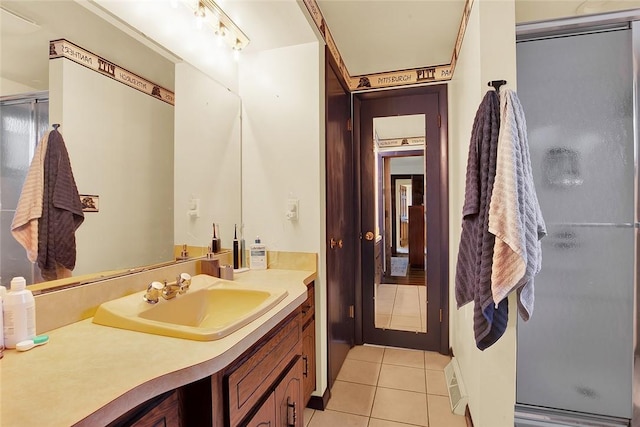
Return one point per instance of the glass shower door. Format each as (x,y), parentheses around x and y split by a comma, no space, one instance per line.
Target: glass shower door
(576,352)
(23,122)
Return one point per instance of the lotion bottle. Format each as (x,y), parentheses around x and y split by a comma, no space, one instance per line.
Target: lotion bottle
(257,255)
(19,313)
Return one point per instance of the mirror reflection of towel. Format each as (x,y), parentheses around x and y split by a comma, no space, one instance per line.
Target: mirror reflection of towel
(61,211)
(24,227)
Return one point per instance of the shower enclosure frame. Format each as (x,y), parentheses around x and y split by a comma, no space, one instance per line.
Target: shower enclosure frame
(583,25)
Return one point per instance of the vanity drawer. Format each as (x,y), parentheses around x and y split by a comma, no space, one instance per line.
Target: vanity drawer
(308,307)
(257,371)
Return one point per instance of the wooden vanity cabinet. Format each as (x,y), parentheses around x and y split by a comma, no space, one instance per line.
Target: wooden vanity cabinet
(259,372)
(309,344)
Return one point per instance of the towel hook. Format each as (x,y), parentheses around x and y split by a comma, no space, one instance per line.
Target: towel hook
(56,126)
(496,84)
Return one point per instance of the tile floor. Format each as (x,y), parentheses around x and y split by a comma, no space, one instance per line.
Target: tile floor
(401,307)
(388,387)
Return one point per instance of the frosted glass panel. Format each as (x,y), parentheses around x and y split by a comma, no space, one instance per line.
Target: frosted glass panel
(17,150)
(577,96)
(576,351)
(23,124)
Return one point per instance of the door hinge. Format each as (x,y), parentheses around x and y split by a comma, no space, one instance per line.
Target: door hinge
(439,121)
(349,124)
(440,315)
(352,312)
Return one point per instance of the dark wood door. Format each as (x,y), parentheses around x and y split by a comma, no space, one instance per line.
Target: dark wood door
(430,101)
(341,243)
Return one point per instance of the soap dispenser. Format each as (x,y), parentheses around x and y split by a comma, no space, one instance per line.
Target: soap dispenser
(209,265)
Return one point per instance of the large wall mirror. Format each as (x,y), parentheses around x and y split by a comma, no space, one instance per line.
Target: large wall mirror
(163,173)
(400,287)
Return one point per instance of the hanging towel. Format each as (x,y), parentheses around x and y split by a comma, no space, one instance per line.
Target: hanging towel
(515,217)
(24,226)
(61,211)
(475,255)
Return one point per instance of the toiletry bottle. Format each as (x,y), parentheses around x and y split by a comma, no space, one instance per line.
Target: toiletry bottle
(209,265)
(236,249)
(19,313)
(215,242)
(257,255)
(3,292)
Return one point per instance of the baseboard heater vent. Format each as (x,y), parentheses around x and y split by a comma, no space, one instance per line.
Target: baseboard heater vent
(457,393)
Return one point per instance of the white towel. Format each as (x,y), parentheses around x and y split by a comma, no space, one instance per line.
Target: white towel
(24,226)
(515,217)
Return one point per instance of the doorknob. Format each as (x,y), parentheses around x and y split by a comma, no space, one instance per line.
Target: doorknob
(333,243)
(369,235)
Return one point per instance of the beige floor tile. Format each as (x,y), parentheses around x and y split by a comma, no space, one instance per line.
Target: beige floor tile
(386,291)
(402,378)
(374,422)
(308,414)
(436,383)
(406,309)
(404,357)
(435,361)
(368,353)
(440,414)
(411,321)
(359,371)
(329,418)
(383,321)
(401,406)
(384,306)
(352,398)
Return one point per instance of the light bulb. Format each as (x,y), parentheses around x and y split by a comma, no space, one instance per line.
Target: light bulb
(200,15)
(221,31)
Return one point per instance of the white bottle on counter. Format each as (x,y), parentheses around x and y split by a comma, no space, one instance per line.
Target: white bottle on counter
(19,313)
(257,255)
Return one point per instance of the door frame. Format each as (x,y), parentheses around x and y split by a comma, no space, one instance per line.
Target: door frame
(437,221)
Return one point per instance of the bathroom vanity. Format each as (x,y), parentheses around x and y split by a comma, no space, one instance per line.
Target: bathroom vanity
(90,374)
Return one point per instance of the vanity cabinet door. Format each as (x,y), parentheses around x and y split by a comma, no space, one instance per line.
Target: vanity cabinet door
(288,394)
(266,415)
(165,414)
(309,360)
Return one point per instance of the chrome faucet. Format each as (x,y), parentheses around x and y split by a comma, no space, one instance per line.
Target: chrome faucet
(167,291)
(181,286)
(153,292)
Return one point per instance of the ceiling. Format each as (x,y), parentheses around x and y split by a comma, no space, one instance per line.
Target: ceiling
(372,36)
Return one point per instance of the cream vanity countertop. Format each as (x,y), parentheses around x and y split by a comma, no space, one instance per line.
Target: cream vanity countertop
(90,374)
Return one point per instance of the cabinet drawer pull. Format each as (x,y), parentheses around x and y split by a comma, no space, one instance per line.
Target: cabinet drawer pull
(291,406)
(306,366)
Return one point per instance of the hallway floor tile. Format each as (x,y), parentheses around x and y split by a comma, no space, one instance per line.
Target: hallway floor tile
(388,387)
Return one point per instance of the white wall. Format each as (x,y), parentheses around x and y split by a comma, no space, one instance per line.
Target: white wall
(488,53)
(10,87)
(120,142)
(207,158)
(283,157)
(413,165)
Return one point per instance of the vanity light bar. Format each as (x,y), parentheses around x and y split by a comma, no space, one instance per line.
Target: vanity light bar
(220,23)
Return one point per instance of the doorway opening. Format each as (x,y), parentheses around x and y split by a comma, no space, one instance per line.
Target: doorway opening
(401,144)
